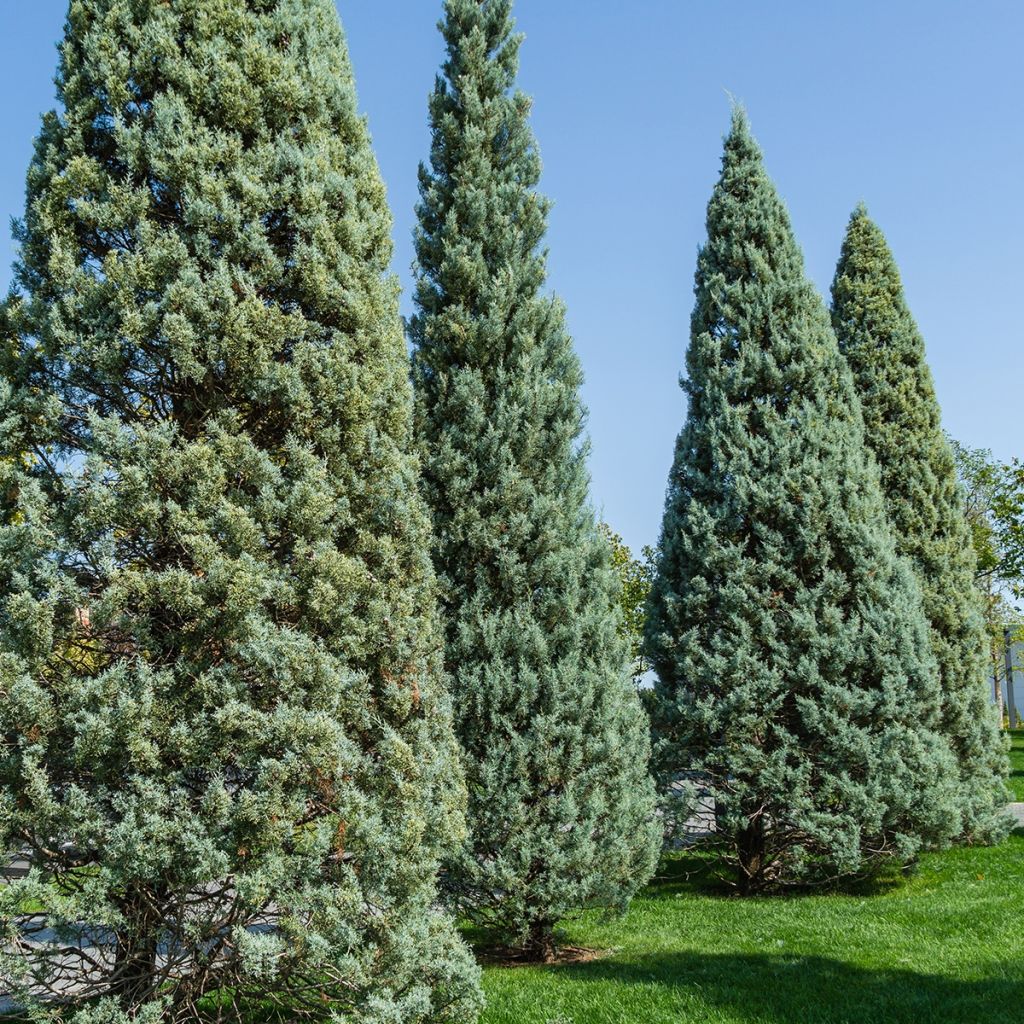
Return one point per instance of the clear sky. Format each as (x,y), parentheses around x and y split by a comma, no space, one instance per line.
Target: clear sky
(913,106)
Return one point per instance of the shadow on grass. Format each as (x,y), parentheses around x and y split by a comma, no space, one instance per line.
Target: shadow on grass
(816,990)
(697,874)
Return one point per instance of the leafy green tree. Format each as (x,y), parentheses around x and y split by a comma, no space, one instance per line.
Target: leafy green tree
(884,348)
(1008,511)
(225,745)
(555,743)
(635,575)
(983,484)
(978,475)
(794,678)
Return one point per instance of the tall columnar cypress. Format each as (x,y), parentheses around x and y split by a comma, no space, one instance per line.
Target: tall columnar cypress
(224,741)
(794,677)
(885,350)
(554,739)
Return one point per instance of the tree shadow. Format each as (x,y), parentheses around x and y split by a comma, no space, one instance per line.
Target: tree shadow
(780,989)
(699,874)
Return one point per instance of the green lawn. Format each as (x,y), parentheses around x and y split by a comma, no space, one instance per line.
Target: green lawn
(944,946)
(1017,764)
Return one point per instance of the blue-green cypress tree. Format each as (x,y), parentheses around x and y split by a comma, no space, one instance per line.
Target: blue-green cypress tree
(794,675)
(226,746)
(554,739)
(886,352)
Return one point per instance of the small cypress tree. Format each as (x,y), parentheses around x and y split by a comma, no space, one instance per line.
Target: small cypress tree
(554,739)
(226,748)
(885,350)
(794,673)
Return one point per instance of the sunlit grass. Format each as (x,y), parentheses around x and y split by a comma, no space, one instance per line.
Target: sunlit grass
(943,945)
(1017,764)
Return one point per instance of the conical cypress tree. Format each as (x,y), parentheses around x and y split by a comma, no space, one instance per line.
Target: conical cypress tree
(885,350)
(792,656)
(226,746)
(553,735)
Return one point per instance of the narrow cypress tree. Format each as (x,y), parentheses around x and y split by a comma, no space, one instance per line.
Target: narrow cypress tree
(885,350)
(554,739)
(788,638)
(226,748)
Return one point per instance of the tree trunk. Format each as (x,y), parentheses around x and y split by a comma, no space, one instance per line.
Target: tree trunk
(540,942)
(751,846)
(134,980)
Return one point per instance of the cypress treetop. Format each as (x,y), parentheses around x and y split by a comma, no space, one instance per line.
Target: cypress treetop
(555,742)
(226,742)
(886,353)
(794,677)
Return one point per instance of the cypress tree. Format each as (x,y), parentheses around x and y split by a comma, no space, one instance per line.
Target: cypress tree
(226,746)
(886,352)
(554,739)
(794,678)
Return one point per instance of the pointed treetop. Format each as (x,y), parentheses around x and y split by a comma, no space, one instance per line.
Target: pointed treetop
(744,173)
(740,122)
(491,22)
(750,245)
(740,144)
(867,296)
(481,216)
(862,233)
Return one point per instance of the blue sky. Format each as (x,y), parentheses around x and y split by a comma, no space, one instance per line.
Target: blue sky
(912,106)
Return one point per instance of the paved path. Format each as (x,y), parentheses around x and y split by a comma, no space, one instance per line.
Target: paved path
(1017,810)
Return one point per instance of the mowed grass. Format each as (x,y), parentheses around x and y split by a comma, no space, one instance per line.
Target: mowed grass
(1017,764)
(943,945)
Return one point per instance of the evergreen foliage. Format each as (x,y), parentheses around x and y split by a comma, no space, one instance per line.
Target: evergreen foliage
(885,350)
(555,742)
(795,679)
(226,746)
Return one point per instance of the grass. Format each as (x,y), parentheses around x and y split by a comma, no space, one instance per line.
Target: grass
(944,945)
(1017,764)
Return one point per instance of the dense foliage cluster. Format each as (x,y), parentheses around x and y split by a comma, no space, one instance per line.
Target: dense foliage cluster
(885,350)
(305,650)
(554,740)
(226,743)
(795,676)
